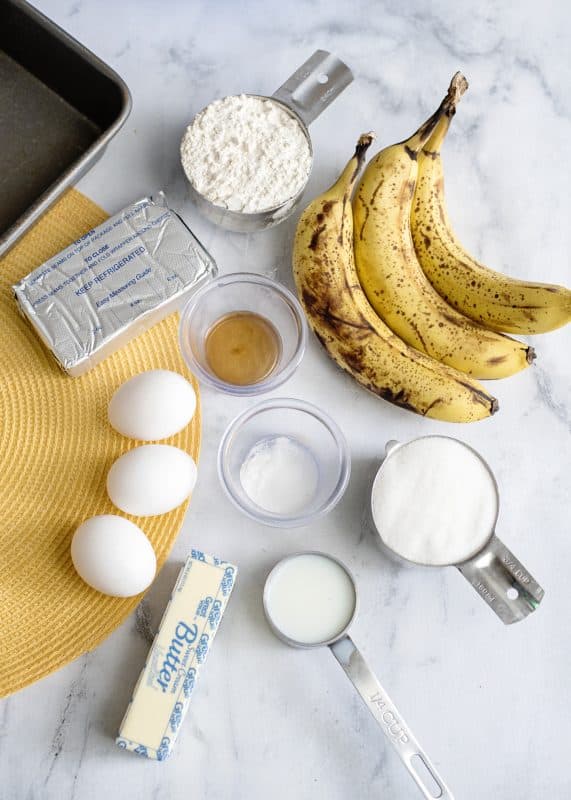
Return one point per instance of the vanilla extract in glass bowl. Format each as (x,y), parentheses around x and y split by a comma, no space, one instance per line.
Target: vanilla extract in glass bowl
(242,348)
(243,334)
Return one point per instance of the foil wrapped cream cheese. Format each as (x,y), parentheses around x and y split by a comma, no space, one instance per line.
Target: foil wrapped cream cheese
(113,283)
(166,684)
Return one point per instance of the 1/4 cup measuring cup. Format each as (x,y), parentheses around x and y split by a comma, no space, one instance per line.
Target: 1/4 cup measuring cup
(310,600)
(304,95)
(435,502)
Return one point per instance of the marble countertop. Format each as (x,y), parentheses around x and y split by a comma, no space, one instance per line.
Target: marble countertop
(491,704)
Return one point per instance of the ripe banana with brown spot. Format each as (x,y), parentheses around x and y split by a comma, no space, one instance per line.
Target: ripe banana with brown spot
(490,298)
(348,327)
(393,279)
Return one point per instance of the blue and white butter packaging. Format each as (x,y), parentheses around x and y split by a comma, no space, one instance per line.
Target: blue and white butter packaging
(113,283)
(180,648)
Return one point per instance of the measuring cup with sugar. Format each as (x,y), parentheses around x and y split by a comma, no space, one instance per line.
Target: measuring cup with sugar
(435,502)
(310,600)
(303,96)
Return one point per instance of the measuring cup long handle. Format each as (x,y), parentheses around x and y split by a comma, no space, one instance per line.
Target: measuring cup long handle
(503,582)
(314,85)
(392,724)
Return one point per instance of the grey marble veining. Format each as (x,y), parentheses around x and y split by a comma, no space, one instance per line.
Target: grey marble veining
(490,704)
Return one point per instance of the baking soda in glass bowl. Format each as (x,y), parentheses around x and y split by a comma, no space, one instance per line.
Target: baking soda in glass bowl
(280,475)
(284,462)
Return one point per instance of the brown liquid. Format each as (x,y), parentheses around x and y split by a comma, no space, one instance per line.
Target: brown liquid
(242,348)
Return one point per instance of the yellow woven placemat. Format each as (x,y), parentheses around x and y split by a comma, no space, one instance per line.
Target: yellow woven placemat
(56,447)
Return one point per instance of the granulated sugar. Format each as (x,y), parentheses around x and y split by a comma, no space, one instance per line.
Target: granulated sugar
(434,501)
(246,154)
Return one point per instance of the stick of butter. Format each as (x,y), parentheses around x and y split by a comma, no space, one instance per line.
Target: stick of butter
(165,686)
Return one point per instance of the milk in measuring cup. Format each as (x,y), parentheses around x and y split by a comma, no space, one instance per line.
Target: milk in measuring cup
(311,598)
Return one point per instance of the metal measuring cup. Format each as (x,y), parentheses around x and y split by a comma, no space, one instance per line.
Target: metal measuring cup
(304,95)
(493,571)
(391,722)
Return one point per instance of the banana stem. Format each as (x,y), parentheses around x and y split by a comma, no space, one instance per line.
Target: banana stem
(365,141)
(353,168)
(434,144)
(443,113)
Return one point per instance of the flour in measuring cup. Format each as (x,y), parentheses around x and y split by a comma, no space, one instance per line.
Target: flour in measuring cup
(246,154)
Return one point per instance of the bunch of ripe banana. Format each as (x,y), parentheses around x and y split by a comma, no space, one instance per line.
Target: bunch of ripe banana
(393,297)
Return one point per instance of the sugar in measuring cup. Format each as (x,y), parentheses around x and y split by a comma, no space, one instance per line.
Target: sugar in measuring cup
(310,600)
(435,502)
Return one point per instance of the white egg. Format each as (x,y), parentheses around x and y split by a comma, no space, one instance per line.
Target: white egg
(113,555)
(152,405)
(151,479)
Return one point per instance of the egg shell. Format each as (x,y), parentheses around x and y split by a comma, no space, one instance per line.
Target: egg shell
(151,479)
(113,555)
(152,405)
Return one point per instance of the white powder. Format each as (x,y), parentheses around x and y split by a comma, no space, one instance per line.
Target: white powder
(246,154)
(280,475)
(434,501)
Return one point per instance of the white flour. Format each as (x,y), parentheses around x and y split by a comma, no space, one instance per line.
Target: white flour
(280,475)
(246,154)
(434,501)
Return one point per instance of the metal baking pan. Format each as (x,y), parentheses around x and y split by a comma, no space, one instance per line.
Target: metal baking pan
(59,107)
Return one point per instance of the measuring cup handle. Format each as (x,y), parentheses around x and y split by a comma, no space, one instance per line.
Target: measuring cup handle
(392,724)
(503,582)
(314,85)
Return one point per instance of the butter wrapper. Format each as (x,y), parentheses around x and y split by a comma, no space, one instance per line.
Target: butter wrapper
(113,283)
(164,690)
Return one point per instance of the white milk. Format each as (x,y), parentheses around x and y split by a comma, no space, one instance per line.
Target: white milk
(311,598)
(434,501)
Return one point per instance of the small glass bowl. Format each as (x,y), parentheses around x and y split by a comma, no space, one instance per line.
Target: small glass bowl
(243,291)
(303,422)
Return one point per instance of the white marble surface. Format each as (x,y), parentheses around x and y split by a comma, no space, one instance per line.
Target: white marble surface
(491,704)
